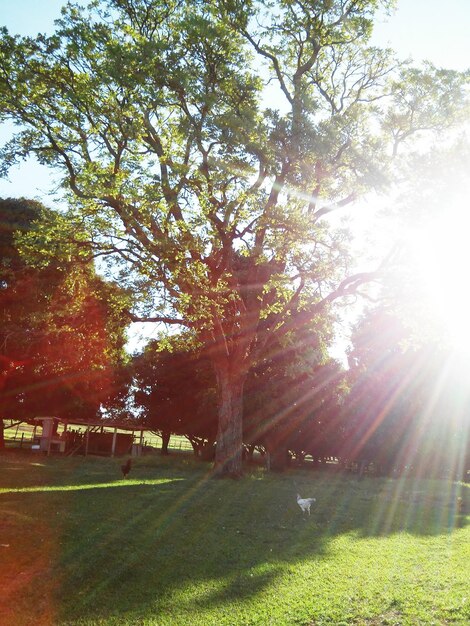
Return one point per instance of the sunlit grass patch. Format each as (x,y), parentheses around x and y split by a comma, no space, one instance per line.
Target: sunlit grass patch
(81,487)
(170,546)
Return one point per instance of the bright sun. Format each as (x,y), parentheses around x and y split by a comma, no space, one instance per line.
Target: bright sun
(440,255)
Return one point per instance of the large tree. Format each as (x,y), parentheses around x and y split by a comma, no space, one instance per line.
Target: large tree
(204,143)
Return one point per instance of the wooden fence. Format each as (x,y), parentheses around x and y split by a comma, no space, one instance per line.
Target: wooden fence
(22,435)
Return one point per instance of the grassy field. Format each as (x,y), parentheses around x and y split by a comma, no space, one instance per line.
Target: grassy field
(170,546)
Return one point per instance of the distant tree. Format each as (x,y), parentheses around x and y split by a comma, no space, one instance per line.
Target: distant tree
(118,403)
(206,192)
(292,396)
(62,327)
(409,403)
(380,404)
(323,428)
(175,391)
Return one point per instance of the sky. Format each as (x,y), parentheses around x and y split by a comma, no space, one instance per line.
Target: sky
(422,29)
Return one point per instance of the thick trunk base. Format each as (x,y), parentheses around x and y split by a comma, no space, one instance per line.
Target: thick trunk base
(225,472)
(165,441)
(229,447)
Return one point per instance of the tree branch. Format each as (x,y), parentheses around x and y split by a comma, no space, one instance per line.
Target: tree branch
(158,318)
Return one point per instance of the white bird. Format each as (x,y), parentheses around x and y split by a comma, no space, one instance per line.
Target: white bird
(305,503)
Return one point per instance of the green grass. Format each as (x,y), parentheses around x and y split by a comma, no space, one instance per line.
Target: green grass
(170,546)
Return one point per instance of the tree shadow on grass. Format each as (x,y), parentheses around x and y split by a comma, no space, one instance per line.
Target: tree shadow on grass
(200,545)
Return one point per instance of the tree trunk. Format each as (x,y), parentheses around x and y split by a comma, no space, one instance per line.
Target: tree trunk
(280,458)
(228,454)
(208,451)
(196,447)
(249,451)
(166,434)
(2,435)
(362,469)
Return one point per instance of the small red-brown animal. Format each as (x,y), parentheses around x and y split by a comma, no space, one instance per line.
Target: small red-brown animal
(126,468)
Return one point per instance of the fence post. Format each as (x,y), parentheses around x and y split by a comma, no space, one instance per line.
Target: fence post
(113,445)
(87,437)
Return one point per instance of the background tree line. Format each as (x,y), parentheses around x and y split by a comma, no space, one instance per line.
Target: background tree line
(202,149)
(399,407)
